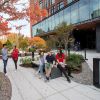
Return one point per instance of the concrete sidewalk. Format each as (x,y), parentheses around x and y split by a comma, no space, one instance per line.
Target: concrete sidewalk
(26,86)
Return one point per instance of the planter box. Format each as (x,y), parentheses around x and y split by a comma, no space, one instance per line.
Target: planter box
(77,71)
(26,65)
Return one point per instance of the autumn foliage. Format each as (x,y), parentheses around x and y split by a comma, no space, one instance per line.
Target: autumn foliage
(38,42)
(36,13)
(3,26)
(8,7)
(1,45)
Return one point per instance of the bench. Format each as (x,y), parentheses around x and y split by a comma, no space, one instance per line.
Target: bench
(55,72)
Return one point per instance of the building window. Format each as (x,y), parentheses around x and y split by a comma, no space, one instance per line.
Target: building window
(67,15)
(94,9)
(60,5)
(53,1)
(46,3)
(84,9)
(75,13)
(69,1)
(53,10)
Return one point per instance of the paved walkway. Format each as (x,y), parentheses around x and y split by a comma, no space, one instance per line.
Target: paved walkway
(26,86)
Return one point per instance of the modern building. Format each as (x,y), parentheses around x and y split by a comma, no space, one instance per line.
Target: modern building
(84,14)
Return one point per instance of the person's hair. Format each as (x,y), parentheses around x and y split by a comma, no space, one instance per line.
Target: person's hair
(15,46)
(41,53)
(60,53)
(4,45)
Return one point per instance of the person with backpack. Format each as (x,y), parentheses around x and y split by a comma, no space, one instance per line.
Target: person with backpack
(15,56)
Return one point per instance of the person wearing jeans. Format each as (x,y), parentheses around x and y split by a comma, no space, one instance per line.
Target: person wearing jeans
(41,64)
(4,53)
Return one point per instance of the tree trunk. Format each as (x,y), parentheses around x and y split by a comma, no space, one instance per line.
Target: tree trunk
(66,48)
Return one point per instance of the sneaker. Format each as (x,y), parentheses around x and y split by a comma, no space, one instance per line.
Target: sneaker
(40,77)
(45,80)
(71,76)
(5,74)
(68,80)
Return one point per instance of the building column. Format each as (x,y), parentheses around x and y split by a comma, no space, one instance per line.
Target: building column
(98,37)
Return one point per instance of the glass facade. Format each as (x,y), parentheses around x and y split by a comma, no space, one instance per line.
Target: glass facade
(82,10)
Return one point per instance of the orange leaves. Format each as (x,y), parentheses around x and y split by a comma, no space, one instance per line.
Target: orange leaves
(44,13)
(3,26)
(38,42)
(36,13)
(9,7)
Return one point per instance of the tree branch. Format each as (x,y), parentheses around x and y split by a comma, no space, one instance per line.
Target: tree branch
(5,1)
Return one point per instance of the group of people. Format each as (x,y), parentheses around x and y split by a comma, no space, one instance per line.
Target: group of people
(49,61)
(14,55)
(46,63)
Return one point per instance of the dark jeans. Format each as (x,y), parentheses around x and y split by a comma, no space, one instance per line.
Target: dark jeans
(62,70)
(15,62)
(5,65)
(68,69)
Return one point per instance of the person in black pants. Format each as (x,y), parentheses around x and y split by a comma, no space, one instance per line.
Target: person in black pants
(60,58)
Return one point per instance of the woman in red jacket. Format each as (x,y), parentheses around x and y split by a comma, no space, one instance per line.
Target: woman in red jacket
(60,58)
(15,56)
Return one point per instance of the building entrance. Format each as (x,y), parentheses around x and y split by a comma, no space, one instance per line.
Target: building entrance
(86,38)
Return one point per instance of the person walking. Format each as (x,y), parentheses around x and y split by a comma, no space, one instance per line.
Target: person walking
(60,58)
(4,53)
(41,65)
(15,56)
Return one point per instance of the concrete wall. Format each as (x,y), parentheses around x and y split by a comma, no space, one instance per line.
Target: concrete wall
(98,37)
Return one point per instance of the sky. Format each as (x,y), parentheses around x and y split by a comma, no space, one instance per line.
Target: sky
(26,28)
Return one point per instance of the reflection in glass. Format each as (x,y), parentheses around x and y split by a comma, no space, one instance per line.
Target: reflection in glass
(84,10)
(67,15)
(74,13)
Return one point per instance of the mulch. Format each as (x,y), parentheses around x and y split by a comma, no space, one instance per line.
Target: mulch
(5,87)
(84,77)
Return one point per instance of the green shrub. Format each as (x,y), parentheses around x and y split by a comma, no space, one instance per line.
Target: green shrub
(75,61)
(32,49)
(26,60)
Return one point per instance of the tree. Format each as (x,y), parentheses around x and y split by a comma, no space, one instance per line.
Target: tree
(12,37)
(64,34)
(36,13)
(9,45)
(3,26)
(33,12)
(38,42)
(23,44)
(9,7)
(51,42)
(19,40)
(1,45)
